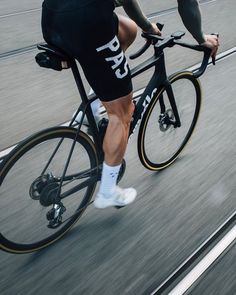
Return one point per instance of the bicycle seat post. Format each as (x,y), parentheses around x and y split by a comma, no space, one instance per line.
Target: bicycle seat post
(78,81)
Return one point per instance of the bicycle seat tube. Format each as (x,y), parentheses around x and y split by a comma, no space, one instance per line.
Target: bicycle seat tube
(85,107)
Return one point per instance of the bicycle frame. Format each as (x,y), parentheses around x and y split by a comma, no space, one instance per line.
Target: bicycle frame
(157,82)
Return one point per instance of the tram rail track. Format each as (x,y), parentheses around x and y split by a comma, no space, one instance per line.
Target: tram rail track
(220,56)
(206,246)
(32,47)
(36,9)
(19,13)
(173,278)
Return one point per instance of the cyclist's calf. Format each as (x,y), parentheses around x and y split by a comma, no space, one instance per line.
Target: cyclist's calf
(120,113)
(120,110)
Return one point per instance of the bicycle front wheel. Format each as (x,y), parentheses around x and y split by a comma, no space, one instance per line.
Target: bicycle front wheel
(29,184)
(159,141)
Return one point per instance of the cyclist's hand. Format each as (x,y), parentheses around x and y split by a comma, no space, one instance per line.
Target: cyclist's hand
(154,30)
(212,42)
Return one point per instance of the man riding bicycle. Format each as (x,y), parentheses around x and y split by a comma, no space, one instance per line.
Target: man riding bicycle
(91,32)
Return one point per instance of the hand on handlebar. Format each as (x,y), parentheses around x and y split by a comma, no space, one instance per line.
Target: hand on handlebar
(212,42)
(154,30)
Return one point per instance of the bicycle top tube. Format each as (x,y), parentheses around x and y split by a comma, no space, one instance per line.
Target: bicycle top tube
(62,61)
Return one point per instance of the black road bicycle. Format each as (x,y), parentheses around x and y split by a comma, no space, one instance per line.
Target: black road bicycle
(48,180)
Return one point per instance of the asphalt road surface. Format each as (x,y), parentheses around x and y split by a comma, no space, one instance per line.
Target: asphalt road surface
(127,251)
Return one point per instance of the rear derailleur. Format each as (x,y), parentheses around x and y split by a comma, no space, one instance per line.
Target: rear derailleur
(54,216)
(45,189)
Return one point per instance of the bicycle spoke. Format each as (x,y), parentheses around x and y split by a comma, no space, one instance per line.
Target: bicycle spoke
(162,136)
(36,195)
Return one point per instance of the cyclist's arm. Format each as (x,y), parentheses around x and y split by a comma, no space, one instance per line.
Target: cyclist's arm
(190,13)
(191,16)
(134,11)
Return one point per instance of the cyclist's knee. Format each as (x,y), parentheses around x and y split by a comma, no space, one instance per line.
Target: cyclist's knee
(127,31)
(120,111)
(123,117)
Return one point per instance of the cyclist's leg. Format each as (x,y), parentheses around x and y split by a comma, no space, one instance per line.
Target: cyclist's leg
(120,114)
(116,96)
(90,35)
(127,31)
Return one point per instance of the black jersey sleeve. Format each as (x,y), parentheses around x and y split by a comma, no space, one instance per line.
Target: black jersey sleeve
(191,15)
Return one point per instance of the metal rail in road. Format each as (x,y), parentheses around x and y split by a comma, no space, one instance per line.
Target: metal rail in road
(182,286)
(221,56)
(149,15)
(34,46)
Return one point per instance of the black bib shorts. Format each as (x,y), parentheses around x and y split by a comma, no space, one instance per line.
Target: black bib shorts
(87,30)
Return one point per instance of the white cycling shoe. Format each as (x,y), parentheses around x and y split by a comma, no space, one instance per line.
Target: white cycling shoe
(120,198)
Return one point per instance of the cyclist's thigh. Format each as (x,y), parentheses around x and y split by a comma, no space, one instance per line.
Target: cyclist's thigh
(90,35)
(127,31)
(104,62)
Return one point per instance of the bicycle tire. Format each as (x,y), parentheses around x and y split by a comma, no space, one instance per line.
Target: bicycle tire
(151,158)
(38,146)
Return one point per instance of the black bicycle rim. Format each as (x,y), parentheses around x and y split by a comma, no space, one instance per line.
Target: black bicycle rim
(23,148)
(144,158)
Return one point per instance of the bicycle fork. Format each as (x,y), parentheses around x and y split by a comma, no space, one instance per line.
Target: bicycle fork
(164,117)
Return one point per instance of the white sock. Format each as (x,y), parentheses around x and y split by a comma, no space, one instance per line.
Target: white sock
(96,103)
(109,179)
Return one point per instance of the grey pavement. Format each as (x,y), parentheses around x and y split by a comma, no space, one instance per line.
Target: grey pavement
(45,93)
(222,273)
(127,251)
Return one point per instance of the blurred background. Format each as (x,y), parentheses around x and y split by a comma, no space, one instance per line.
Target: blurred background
(132,250)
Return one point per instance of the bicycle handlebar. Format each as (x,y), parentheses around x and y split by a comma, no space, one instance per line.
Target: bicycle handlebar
(206,56)
(148,43)
(141,50)
(161,43)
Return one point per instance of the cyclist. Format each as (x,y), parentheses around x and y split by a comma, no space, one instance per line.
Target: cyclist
(90,31)
(191,16)
(126,34)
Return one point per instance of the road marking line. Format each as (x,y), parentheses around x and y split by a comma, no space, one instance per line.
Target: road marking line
(220,56)
(205,263)
(138,93)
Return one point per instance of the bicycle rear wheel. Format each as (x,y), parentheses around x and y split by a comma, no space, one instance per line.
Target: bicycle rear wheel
(29,184)
(159,141)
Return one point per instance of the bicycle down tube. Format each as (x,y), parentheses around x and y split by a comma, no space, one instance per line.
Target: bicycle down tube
(158,80)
